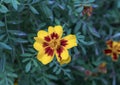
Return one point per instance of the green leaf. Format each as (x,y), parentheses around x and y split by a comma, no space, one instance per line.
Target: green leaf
(96,63)
(10,81)
(79,36)
(12,75)
(15,4)
(26,59)
(94,83)
(33,10)
(41,25)
(118,3)
(47,81)
(28,67)
(19,40)
(57,21)
(67,70)
(1,24)
(84,28)
(51,64)
(7,1)
(2,82)
(93,31)
(35,62)
(2,63)
(17,32)
(77,27)
(3,9)
(83,49)
(52,77)
(55,69)
(46,11)
(67,74)
(26,55)
(91,1)
(86,43)
(58,71)
(79,9)
(5,46)
(116,35)
(2,36)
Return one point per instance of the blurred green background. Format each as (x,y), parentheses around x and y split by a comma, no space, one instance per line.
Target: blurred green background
(20,20)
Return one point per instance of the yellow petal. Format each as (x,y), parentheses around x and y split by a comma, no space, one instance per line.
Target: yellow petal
(39,40)
(65,61)
(57,29)
(50,29)
(44,58)
(115,44)
(38,46)
(41,34)
(116,47)
(63,55)
(71,41)
(118,50)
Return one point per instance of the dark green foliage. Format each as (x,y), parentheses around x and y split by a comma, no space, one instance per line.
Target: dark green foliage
(20,21)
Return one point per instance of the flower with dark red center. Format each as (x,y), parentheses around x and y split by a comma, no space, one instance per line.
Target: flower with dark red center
(113,49)
(50,43)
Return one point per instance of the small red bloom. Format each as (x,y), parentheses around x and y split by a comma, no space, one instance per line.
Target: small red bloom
(88,73)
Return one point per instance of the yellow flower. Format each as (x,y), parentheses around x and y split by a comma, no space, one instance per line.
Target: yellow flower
(51,43)
(113,49)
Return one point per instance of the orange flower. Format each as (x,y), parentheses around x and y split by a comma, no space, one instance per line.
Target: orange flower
(50,43)
(87,10)
(102,67)
(113,49)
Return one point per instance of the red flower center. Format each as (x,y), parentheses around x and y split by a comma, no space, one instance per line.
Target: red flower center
(115,56)
(52,43)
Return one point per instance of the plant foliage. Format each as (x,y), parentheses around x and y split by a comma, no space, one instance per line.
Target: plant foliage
(20,20)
